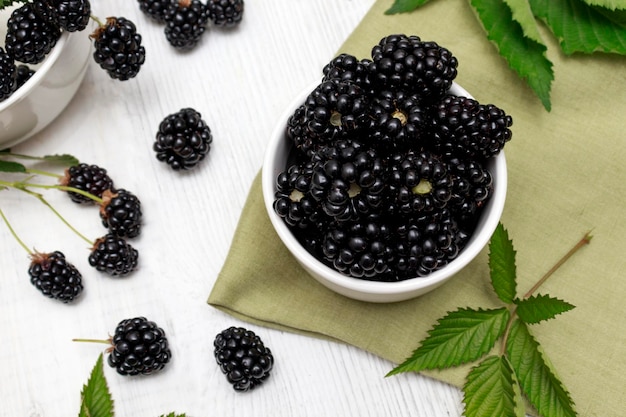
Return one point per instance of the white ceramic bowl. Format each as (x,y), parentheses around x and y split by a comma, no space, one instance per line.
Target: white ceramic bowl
(376,291)
(46,94)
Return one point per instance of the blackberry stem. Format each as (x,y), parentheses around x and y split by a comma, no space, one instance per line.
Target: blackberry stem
(21,185)
(103,341)
(22,244)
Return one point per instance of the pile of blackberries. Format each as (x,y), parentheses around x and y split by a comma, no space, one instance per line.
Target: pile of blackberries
(389,171)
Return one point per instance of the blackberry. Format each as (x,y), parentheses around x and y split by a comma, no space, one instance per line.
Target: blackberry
(185,22)
(347,67)
(55,277)
(118,48)
(407,63)
(113,255)
(399,121)
(473,185)
(89,178)
(243,358)
(360,249)
(30,37)
(465,128)
(425,244)
(8,72)
(139,347)
(120,212)
(23,74)
(71,15)
(225,13)
(155,9)
(349,180)
(419,183)
(298,132)
(183,139)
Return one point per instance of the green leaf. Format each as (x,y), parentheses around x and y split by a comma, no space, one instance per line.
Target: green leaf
(173,415)
(525,56)
(491,390)
(63,159)
(534,309)
(580,27)
(96,399)
(522,14)
(10,166)
(615,16)
(535,374)
(502,265)
(461,336)
(608,4)
(404,6)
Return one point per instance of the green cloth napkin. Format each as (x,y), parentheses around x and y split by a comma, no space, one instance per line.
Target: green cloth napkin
(566,177)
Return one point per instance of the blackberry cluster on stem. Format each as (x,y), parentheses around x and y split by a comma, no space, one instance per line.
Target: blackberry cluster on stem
(389,171)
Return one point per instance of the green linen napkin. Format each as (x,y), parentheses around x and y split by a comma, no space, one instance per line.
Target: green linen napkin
(566,177)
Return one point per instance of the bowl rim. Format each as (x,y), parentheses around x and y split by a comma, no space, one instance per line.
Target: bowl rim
(476,244)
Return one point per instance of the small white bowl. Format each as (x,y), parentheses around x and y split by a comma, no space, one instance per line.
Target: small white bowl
(46,94)
(376,291)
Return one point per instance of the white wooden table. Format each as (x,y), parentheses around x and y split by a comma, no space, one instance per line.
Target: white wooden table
(240,81)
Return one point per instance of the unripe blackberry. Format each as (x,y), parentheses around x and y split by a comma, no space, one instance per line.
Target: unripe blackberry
(139,347)
(120,212)
(30,37)
(7,75)
(118,48)
(225,13)
(243,358)
(113,255)
(89,178)
(54,276)
(185,22)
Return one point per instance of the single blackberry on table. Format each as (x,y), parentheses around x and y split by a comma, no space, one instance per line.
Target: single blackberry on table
(225,13)
(463,127)
(419,183)
(71,15)
(349,180)
(30,37)
(347,67)
(7,75)
(361,249)
(185,22)
(118,48)
(139,347)
(155,9)
(113,255)
(120,212)
(243,358)
(183,139)
(23,74)
(407,63)
(472,188)
(89,178)
(54,276)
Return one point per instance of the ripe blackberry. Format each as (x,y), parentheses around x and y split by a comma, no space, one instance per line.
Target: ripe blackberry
(399,121)
(243,358)
(347,67)
(71,15)
(409,64)
(54,276)
(473,185)
(7,75)
(30,37)
(349,180)
(120,211)
(118,48)
(298,132)
(113,255)
(360,249)
(89,178)
(225,13)
(465,128)
(183,139)
(419,183)
(185,22)
(23,74)
(139,347)
(155,9)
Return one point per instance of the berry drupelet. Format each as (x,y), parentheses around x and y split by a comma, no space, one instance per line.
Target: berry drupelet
(113,255)
(120,212)
(8,72)
(89,178)
(139,347)
(243,358)
(118,48)
(225,13)
(183,139)
(54,276)
(23,74)
(185,22)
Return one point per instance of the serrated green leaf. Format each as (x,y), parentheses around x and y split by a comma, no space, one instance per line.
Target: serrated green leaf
(490,390)
(96,399)
(461,336)
(608,4)
(62,159)
(502,268)
(7,3)
(616,16)
(535,374)
(538,308)
(404,6)
(10,166)
(523,15)
(525,56)
(580,27)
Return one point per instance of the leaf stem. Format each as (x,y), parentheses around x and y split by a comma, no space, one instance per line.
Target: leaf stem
(22,244)
(20,185)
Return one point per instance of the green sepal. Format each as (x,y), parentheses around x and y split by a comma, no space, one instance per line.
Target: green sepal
(96,399)
(502,268)
(537,308)
(461,336)
(404,6)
